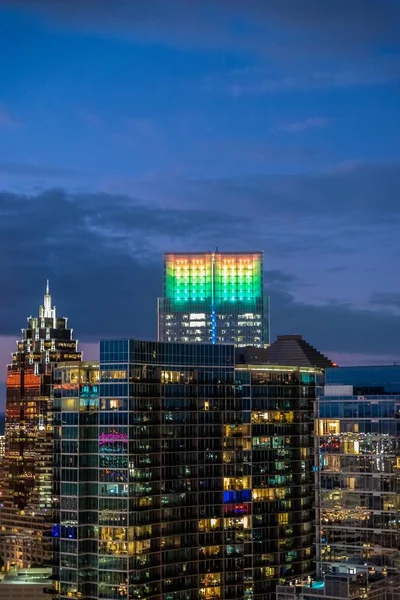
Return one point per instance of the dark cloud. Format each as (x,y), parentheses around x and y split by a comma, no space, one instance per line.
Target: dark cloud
(103,255)
(386,299)
(335,23)
(367,19)
(278,278)
(336,326)
(99,252)
(359,193)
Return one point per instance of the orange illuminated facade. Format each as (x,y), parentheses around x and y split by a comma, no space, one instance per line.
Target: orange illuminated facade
(27,498)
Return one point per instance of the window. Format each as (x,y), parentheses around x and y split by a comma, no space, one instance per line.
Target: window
(329,427)
(283,518)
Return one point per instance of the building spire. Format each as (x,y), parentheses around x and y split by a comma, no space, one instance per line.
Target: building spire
(48,311)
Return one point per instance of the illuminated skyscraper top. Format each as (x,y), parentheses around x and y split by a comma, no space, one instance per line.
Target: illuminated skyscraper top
(47,338)
(215,297)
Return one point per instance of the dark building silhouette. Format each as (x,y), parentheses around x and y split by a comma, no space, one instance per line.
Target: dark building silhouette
(286,350)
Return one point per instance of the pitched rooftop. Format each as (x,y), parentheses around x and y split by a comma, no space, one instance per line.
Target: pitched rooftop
(287,350)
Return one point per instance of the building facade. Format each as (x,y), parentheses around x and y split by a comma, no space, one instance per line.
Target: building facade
(280,467)
(367,381)
(358,482)
(359,472)
(183,476)
(75,397)
(25,514)
(214,297)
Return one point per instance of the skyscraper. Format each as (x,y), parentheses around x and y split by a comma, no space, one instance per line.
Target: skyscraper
(214,297)
(26,510)
(76,476)
(155,526)
(278,461)
(357,470)
(358,463)
(188,478)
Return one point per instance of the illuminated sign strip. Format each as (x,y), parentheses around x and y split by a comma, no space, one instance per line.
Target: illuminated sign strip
(111,438)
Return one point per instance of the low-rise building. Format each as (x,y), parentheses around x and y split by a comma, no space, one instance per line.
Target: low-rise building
(26,584)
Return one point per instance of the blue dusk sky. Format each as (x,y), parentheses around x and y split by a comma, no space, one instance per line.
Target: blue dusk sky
(132,127)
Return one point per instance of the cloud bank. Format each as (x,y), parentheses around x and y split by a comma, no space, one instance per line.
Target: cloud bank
(103,255)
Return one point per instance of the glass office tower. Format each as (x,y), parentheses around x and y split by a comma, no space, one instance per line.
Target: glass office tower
(26,510)
(75,479)
(278,462)
(151,525)
(358,430)
(214,297)
(374,381)
(357,488)
(193,479)
(164,429)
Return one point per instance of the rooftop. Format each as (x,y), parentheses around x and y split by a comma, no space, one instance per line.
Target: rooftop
(39,576)
(288,350)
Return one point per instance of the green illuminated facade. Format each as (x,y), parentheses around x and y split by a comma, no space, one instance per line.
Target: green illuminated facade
(188,279)
(214,297)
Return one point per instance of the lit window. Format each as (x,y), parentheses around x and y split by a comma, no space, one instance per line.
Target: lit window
(283,518)
(329,426)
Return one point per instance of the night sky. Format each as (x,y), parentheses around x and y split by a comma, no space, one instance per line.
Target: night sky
(132,127)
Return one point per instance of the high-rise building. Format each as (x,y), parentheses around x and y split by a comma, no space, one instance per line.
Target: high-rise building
(184,476)
(76,479)
(279,462)
(358,462)
(357,488)
(214,297)
(367,381)
(27,496)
